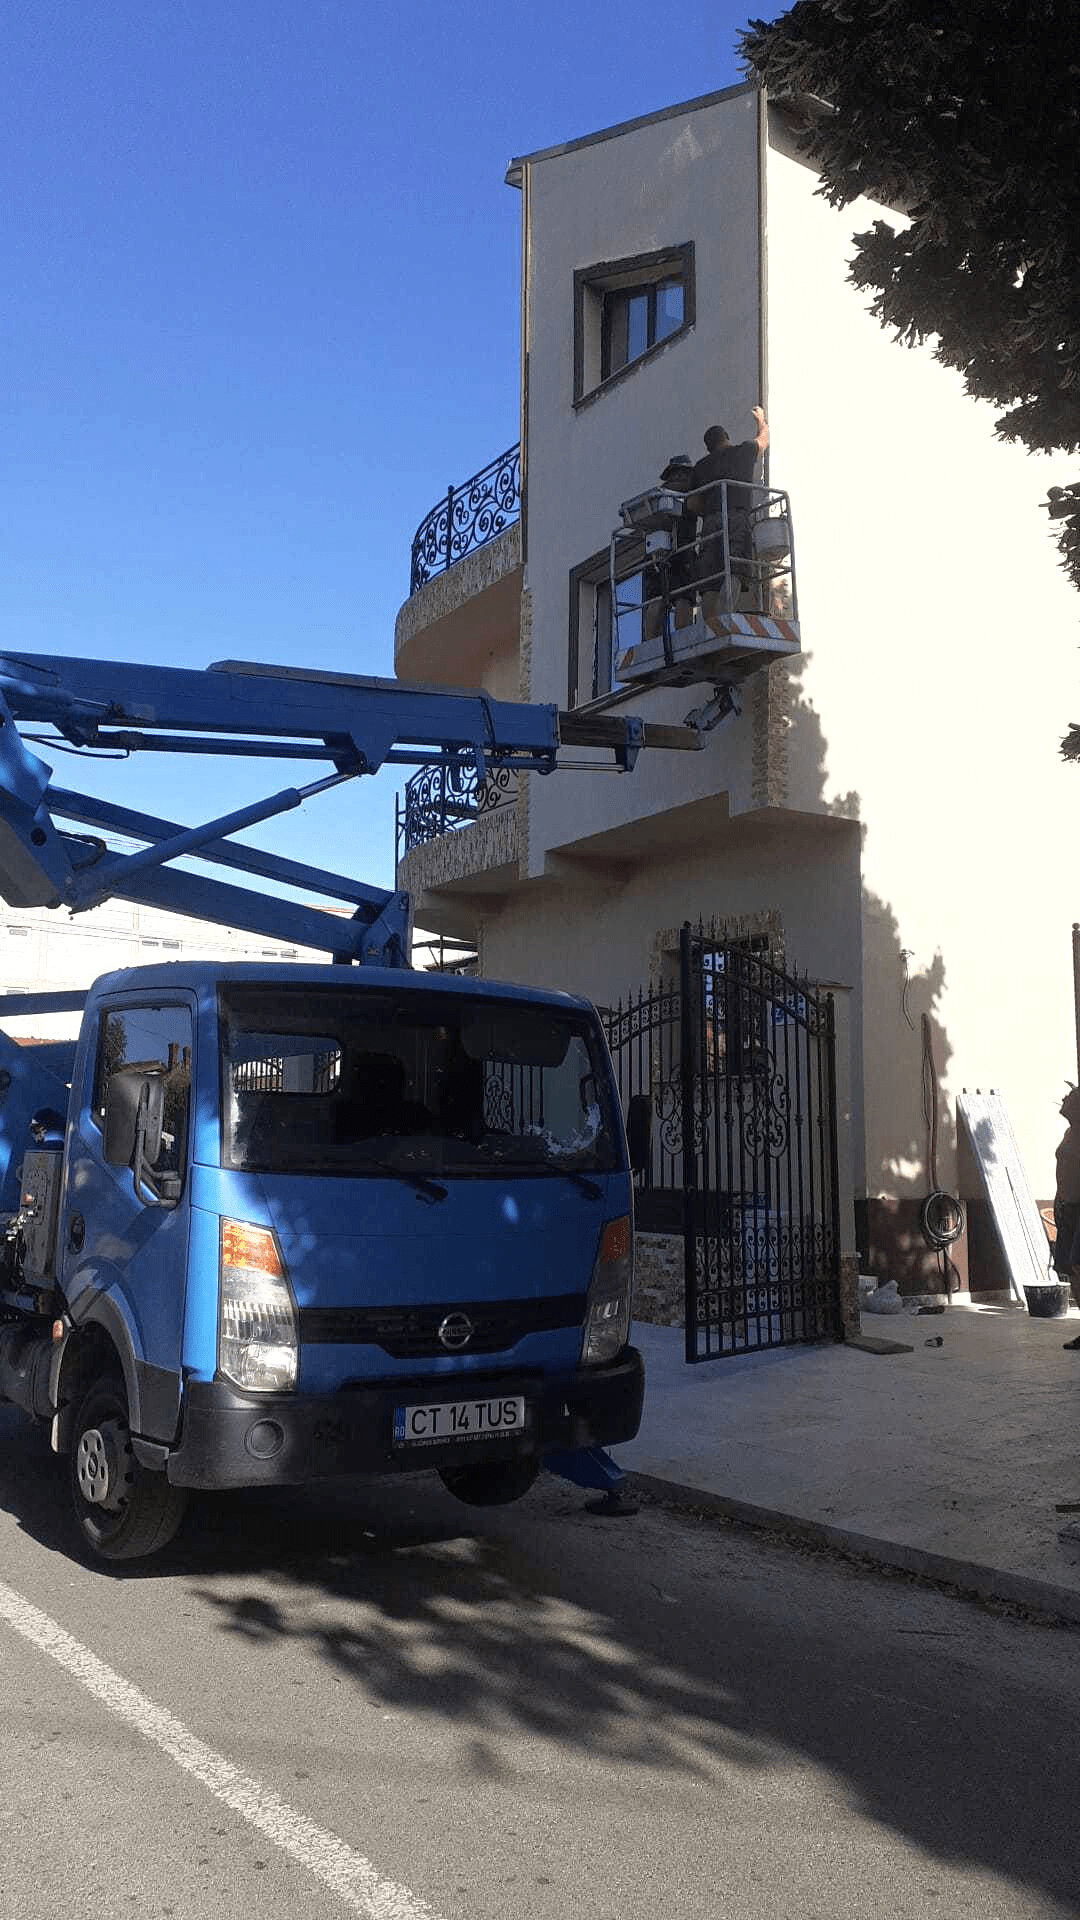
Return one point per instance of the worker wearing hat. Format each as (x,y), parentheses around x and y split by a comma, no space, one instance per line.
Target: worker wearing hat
(662,584)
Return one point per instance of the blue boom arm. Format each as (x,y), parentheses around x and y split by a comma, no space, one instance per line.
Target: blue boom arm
(248,711)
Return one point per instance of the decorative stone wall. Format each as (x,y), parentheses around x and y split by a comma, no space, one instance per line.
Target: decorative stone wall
(771,708)
(658,1279)
(525,647)
(481,568)
(659,1285)
(849,1293)
(491,841)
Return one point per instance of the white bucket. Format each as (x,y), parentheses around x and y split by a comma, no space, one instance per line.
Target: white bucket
(772,538)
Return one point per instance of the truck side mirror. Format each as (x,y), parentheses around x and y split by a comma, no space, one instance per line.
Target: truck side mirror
(134,1111)
(639,1131)
(122,1093)
(148,1121)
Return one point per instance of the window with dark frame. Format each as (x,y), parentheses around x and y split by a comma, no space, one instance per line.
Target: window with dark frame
(596,638)
(625,310)
(636,319)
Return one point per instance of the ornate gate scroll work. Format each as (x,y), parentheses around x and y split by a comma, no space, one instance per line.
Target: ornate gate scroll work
(740,1067)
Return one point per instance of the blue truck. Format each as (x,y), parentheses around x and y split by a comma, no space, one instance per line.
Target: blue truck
(262,1225)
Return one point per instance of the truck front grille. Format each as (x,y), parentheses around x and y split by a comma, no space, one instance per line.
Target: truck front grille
(412,1333)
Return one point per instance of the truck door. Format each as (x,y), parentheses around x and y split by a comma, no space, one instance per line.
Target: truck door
(125,1251)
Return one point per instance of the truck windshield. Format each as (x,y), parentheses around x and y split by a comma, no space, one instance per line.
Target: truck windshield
(355,1080)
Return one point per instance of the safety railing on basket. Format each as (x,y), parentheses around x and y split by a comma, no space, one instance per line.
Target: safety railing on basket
(724,548)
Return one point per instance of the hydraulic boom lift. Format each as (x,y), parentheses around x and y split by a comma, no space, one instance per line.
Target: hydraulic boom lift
(249,711)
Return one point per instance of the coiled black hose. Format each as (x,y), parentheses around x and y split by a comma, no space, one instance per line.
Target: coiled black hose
(941,1219)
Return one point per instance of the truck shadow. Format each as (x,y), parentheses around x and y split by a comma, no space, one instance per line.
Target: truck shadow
(664,1646)
(241,1531)
(33,1483)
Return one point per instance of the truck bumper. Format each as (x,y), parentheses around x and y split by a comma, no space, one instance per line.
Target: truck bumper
(232,1439)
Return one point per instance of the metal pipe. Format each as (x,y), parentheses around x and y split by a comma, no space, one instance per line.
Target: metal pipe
(105,874)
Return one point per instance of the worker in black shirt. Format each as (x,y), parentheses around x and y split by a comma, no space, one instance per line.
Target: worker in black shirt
(738,463)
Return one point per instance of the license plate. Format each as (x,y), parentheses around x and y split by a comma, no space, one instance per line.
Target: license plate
(433,1425)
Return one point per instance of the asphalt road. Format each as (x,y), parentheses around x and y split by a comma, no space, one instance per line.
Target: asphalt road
(375,1702)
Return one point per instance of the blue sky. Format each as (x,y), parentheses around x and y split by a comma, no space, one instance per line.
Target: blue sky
(258,305)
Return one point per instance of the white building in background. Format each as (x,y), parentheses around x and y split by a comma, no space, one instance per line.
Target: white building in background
(46,951)
(887,810)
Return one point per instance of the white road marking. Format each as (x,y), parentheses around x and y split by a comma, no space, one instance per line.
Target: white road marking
(346,1873)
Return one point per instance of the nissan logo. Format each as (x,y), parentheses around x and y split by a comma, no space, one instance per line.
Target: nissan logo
(456,1331)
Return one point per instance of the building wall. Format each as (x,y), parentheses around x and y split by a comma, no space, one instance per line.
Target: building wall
(689,176)
(594,931)
(608,933)
(939,661)
(896,796)
(610,862)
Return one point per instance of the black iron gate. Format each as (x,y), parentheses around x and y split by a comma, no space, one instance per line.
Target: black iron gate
(739,1063)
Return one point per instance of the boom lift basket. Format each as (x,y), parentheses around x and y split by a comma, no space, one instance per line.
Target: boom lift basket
(716,606)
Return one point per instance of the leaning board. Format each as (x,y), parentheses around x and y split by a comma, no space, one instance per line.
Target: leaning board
(1020,1230)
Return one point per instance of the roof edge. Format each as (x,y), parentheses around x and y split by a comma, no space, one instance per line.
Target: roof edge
(516,167)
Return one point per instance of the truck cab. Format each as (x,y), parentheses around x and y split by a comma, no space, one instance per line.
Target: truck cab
(304,1221)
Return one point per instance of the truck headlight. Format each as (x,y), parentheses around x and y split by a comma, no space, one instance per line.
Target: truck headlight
(607,1320)
(257,1325)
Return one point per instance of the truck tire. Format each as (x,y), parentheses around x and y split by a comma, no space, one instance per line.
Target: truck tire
(124,1511)
(494,1483)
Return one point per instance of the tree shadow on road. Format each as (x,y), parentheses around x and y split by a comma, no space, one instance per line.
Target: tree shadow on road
(670,1648)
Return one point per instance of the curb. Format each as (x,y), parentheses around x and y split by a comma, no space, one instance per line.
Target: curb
(969,1576)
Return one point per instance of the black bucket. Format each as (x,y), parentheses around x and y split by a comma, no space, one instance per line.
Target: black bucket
(1048,1302)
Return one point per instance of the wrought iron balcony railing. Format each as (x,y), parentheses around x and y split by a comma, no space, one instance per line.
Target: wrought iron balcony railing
(469,517)
(438,800)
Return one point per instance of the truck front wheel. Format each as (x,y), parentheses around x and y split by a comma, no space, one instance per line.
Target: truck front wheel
(493,1484)
(124,1511)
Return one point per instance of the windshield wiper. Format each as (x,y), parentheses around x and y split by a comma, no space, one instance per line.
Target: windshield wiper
(426,1188)
(581,1180)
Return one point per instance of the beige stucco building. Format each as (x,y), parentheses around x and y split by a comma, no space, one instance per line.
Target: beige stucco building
(887,809)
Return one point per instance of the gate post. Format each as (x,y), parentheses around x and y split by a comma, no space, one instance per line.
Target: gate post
(689,1157)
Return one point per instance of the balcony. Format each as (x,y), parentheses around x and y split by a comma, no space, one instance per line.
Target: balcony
(469,517)
(456,838)
(460,624)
